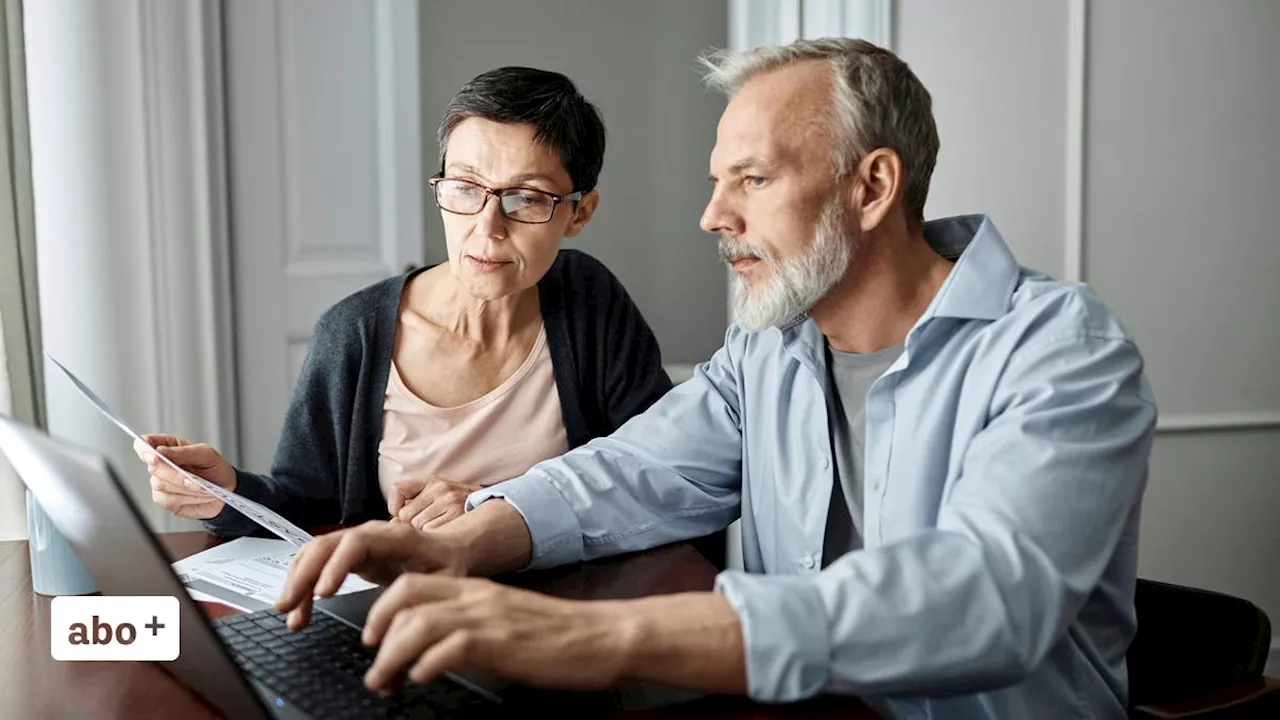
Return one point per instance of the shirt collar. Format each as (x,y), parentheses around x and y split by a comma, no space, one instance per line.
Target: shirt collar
(980,286)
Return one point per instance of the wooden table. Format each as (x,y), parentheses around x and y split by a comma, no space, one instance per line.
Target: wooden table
(33,685)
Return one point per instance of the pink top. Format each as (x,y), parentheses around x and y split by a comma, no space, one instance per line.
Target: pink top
(497,436)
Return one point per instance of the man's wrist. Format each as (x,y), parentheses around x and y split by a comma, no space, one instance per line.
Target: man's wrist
(490,540)
(691,640)
(460,542)
(629,620)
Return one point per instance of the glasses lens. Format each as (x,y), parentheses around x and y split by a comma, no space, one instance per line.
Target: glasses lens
(531,206)
(459,196)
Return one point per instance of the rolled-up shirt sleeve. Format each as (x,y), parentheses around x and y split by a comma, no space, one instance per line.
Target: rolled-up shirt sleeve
(785,633)
(553,526)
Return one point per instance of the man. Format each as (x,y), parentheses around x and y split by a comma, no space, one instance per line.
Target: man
(938,456)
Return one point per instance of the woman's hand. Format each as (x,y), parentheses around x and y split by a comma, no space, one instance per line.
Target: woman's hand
(173,492)
(429,502)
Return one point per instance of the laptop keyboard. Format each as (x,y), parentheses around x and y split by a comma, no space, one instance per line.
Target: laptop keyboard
(320,669)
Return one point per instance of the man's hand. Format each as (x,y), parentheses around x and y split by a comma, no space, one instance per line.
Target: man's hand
(429,502)
(376,551)
(173,492)
(427,624)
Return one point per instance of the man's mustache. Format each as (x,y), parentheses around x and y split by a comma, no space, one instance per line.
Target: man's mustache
(732,250)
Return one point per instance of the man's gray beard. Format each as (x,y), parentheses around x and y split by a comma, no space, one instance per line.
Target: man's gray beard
(796,284)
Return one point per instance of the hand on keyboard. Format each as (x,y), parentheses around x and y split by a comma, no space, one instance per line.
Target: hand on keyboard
(376,551)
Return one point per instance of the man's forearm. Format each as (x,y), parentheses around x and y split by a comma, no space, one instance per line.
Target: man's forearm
(493,538)
(689,640)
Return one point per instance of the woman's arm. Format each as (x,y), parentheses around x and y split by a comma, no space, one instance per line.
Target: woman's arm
(304,481)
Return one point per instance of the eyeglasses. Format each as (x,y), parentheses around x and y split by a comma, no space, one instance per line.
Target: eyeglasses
(520,204)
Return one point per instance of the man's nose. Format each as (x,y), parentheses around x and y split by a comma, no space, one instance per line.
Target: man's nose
(719,218)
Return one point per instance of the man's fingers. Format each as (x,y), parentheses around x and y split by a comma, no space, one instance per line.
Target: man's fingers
(413,632)
(352,552)
(454,651)
(375,550)
(300,616)
(304,571)
(406,592)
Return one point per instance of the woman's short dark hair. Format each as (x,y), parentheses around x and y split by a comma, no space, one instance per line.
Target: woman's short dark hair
(563,120)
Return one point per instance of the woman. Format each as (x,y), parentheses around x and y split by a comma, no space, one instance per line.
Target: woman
(422,388)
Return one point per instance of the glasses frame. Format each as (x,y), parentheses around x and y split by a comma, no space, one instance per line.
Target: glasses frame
(434,181)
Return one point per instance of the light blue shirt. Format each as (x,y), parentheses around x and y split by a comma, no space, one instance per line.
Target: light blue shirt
(1006,456)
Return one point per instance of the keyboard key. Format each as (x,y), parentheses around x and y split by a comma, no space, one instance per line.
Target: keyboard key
(320,669)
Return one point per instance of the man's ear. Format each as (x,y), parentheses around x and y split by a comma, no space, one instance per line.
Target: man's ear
(879,188)
(582,212)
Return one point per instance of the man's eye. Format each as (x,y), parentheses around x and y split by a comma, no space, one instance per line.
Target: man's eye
(754,180)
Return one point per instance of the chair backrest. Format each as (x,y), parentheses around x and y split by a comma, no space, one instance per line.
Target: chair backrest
(1190,641)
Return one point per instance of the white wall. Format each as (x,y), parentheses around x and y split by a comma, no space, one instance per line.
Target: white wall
(636,61)
(1180,169)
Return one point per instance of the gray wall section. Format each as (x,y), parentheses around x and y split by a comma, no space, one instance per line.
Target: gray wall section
(997,72)
(1182,175)
(1182,168)
(1182,179)
(1209,517)
(636,61)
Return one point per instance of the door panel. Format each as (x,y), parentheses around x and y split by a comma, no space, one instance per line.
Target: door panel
(325,179)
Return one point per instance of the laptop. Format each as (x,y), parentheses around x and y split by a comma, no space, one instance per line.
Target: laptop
(249,665)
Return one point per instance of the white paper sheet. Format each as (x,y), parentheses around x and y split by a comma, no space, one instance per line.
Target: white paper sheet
(256,512)
(245,573)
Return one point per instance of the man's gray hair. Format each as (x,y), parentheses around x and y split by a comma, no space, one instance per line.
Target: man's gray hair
(876,102)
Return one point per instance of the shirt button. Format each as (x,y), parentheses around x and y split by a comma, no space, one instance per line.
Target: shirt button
(826,462)
(808,562)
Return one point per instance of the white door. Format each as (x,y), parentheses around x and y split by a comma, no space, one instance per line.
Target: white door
(325,179)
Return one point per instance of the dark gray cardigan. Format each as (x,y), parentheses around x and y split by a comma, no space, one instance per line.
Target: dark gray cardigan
(606,362)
